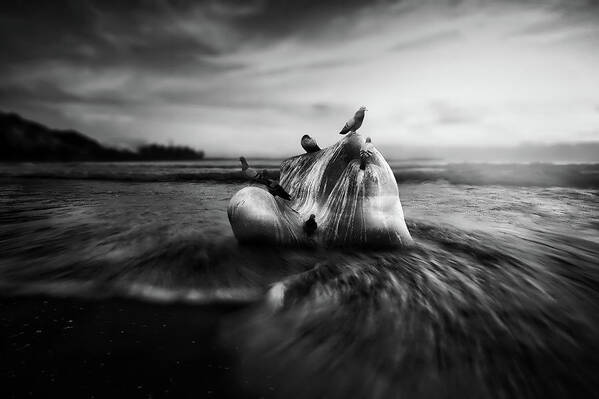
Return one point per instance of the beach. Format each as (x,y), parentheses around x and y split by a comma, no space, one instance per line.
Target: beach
(127,280)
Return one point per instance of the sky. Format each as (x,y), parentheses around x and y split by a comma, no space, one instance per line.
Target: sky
(252,77)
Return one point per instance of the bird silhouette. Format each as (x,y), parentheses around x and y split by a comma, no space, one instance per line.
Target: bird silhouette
(309,144)
(366,152)
(310,225)
(355,122)
(272,185)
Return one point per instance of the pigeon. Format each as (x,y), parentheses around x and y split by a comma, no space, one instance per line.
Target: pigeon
(309,144)
(272,185)
(277,190)
(310,225)
(355,122)
(366,152)
(252,173)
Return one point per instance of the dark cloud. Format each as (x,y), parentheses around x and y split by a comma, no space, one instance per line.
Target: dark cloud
(160,37)
(151,33)
(147,34)
(286,16)
(170,34)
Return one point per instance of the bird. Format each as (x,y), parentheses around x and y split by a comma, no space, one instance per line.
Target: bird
(272,185)
(309,144)
(252,173)
(310,225)
(355,122)
(276,189)
(366,152)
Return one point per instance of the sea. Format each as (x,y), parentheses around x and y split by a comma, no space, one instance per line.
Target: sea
(498,296)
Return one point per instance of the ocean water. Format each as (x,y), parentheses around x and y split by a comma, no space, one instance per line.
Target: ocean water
(498,297)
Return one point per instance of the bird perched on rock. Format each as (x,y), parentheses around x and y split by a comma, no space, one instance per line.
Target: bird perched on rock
(272,185)
(252,173)
(366,152)
(355,122)
(310,225)
(309,144)
(276,189)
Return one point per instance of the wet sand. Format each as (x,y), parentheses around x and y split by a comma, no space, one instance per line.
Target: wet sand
(56,347)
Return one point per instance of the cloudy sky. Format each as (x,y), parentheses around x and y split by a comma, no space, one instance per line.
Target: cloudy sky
(252,77)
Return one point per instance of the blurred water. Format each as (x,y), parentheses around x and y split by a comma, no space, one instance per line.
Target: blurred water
(497,298)
(227,170)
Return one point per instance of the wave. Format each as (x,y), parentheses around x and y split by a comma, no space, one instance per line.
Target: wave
(146,292)
(461,314)
(199,268)
(464,312)
(539,175)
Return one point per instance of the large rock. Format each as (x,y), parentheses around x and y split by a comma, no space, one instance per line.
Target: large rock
(352,206)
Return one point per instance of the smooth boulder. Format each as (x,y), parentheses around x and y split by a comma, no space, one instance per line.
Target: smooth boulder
(352,206)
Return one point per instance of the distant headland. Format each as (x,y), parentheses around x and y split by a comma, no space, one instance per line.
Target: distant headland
(23,140)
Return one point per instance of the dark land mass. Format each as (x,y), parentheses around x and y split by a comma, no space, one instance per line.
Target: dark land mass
(59,347)
(22,140)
